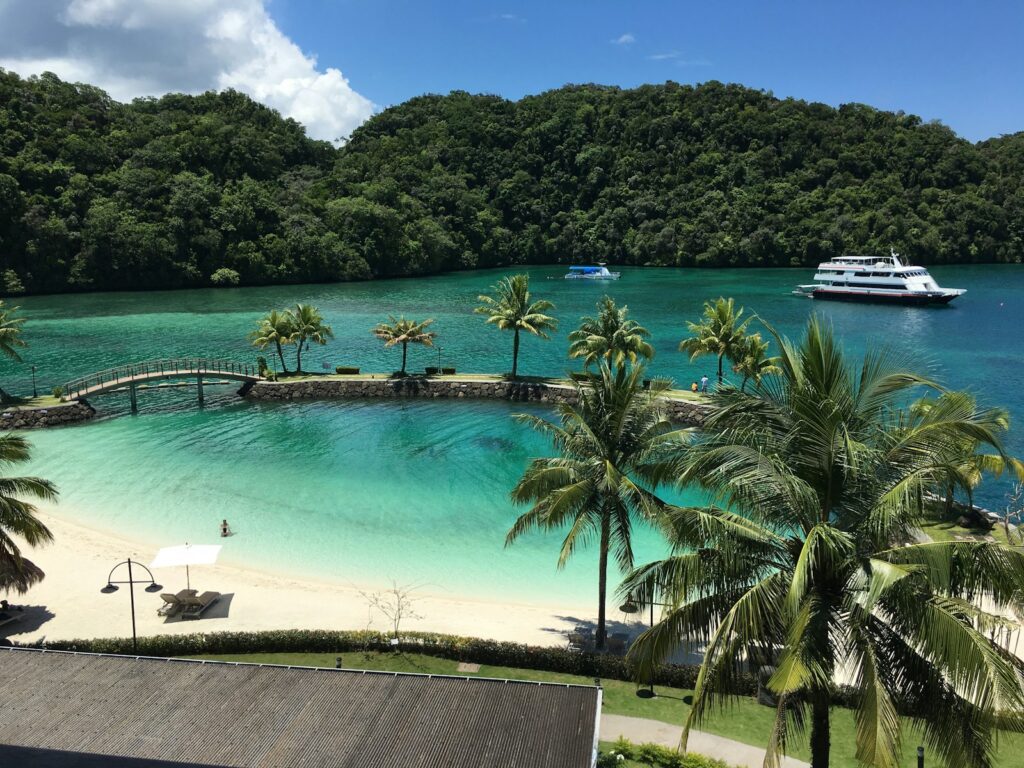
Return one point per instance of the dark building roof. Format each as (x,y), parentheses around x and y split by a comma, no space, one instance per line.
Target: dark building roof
(87,710)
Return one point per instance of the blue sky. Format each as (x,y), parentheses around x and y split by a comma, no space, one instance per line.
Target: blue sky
(959,62)
(331,63)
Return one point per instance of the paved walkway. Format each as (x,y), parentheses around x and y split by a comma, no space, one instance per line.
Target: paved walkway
(642,731)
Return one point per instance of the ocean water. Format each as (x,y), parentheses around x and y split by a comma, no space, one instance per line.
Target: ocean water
(415,491)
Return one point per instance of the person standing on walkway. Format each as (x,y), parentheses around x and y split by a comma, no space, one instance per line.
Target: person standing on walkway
(704,383)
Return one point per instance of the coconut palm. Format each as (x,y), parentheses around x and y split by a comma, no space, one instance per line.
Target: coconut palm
(720,333)
(18,517)
(966,464)
(751,360)
(10,332)
(595,487)
(510,309)
(611,337)
(404,332)
(807,558)
(309,326)
(277,328)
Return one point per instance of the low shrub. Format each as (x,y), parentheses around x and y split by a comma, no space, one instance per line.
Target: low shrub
(448,371)
(654,756)
(431,371)
(346,370)
(466,649)
(579,376)
(57,392)
(225,276)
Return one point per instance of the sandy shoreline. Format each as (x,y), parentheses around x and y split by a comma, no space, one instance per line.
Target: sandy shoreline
(68,603)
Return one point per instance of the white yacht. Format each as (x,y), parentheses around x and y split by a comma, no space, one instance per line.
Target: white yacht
(884,279)
(600,272)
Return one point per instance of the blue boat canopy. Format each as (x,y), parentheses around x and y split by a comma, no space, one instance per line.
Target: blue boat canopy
(585,270)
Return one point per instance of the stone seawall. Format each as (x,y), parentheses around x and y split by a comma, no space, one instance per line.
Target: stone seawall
(50,416)
(692,414)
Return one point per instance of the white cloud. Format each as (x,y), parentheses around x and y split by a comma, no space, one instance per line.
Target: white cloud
(664,56)
(150,47)
(626,39)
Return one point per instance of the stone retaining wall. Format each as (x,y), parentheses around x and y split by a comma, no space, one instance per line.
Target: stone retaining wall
(50,416)
(692,414)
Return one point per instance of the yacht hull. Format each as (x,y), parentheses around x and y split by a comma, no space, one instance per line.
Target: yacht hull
(904,299)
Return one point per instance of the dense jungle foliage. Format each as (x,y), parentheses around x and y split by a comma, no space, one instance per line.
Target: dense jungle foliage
(217,189)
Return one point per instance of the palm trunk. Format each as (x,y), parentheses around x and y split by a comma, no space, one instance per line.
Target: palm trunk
(950,489)
(743,386)
(602,584)
(298,356)
(820,737)
(405,351)
(720,370)
(280,354)
(515,354)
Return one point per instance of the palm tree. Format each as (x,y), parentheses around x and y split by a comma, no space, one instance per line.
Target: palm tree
(611,337)
(309,326)
(404,332)
(510,309)
(807,558)
(595,487)
(966,465)
(719,334)
(277,328)
(10,332)
(17,517)
(751,360)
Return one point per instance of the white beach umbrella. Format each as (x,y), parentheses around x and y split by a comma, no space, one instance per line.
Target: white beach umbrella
(186,555)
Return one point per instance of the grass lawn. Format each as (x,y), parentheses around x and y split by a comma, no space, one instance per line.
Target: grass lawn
(27,403)
(744,721)
(943,527)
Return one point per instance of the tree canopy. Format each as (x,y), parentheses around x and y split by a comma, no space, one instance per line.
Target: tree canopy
(196,190)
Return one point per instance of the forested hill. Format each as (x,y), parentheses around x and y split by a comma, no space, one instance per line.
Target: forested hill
(194,190)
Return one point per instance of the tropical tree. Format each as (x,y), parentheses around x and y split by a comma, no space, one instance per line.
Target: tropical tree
(404,332)
(720,333)
(10,332)
(807,557)
(751,361)
(511,309)
(611,337)
(18,517)
(277,328)
(966,463)
(309,326)
(596,487)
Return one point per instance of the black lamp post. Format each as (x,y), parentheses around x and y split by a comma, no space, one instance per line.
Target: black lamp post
(920,757)
(631,607)
(131,582)
(439,359)
(34,392)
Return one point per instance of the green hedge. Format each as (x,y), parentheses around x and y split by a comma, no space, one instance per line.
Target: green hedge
(468,649)
(654,756)
(346,370)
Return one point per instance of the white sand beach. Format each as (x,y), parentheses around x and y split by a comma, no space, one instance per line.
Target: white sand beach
(68,603)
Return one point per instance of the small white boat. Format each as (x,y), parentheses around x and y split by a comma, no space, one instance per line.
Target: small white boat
(879,279)
(599,272)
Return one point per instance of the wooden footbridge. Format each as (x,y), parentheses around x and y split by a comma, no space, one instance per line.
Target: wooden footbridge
(130,376)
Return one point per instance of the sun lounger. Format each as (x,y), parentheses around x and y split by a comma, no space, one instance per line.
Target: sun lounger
(194,606)
(174,603)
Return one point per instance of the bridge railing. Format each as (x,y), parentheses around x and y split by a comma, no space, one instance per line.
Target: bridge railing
(125,374)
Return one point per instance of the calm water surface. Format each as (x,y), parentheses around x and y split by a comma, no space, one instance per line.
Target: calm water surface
(415,491)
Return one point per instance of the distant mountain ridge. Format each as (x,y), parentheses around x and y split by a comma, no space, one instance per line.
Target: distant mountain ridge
(217,189)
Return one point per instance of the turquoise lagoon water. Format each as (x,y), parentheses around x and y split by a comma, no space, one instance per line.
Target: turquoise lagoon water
(415,491)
